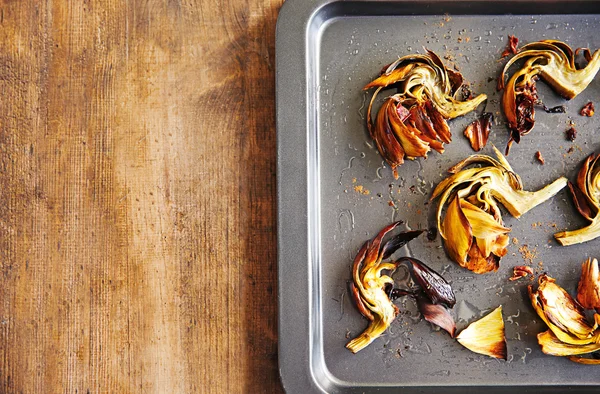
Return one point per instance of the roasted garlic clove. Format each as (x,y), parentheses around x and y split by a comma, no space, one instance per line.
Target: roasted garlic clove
(473,231)
(586,195)
(552,61)
(412,122)
(486,335)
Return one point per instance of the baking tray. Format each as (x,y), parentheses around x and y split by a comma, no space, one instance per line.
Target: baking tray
(326,52)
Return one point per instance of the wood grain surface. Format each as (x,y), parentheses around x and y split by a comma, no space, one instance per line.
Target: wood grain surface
(137,196)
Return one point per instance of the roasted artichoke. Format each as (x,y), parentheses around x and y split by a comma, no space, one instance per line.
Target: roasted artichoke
(473,231)
(552,61)
(372,290)
(570,333)
(586,195)
(413,121)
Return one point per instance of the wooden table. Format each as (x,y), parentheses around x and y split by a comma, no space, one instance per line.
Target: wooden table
(137,196)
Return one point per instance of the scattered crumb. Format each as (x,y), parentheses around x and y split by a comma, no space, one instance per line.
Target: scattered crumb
(587,110)
(539,157)
(348,333)
(353,180)
(447,18)
(360,189)
(528,254)
(391,204)
(515,241)
(419,212)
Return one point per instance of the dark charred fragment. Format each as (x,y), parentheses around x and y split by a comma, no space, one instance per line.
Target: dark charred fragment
(511,47)
(581,202)
(478,131)
(559,109)
(571,134)
(520,271)
(398,241)
(587,110)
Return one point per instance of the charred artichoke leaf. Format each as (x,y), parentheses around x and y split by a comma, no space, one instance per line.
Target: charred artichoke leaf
(436,314)
(582,360)
(434,287)
(553,346)
(588,290)
(486,335)
(586,196)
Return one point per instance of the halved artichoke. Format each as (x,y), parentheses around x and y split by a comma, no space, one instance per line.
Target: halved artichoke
(586,196)
(372,289)
(570,333)
(413,121)
(554,62)
(473,231)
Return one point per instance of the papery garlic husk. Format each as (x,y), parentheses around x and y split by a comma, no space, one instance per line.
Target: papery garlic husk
(588,290)
(473,231)
(414,120)
(586,197)
(486,335)
(554,62)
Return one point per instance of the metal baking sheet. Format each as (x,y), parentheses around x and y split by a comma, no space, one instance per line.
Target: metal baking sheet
(335,193)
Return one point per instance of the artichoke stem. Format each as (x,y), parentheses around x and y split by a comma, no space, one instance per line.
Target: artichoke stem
(587,233)
(519,202)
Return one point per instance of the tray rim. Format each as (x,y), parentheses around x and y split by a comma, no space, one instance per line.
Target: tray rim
(299,210)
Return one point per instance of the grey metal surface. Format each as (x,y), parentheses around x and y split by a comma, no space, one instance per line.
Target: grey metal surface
(326,53)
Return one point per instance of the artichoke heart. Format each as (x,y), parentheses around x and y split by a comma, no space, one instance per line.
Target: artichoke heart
(414,120)
(486,335)
(473,231)
(373,290)
(586,196)
(554,62)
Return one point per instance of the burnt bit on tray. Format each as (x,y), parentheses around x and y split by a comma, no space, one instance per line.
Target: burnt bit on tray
(559,109)
(520,271)
(571,134)
(540,158)
(511,47)
(587,110)
(478,131)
